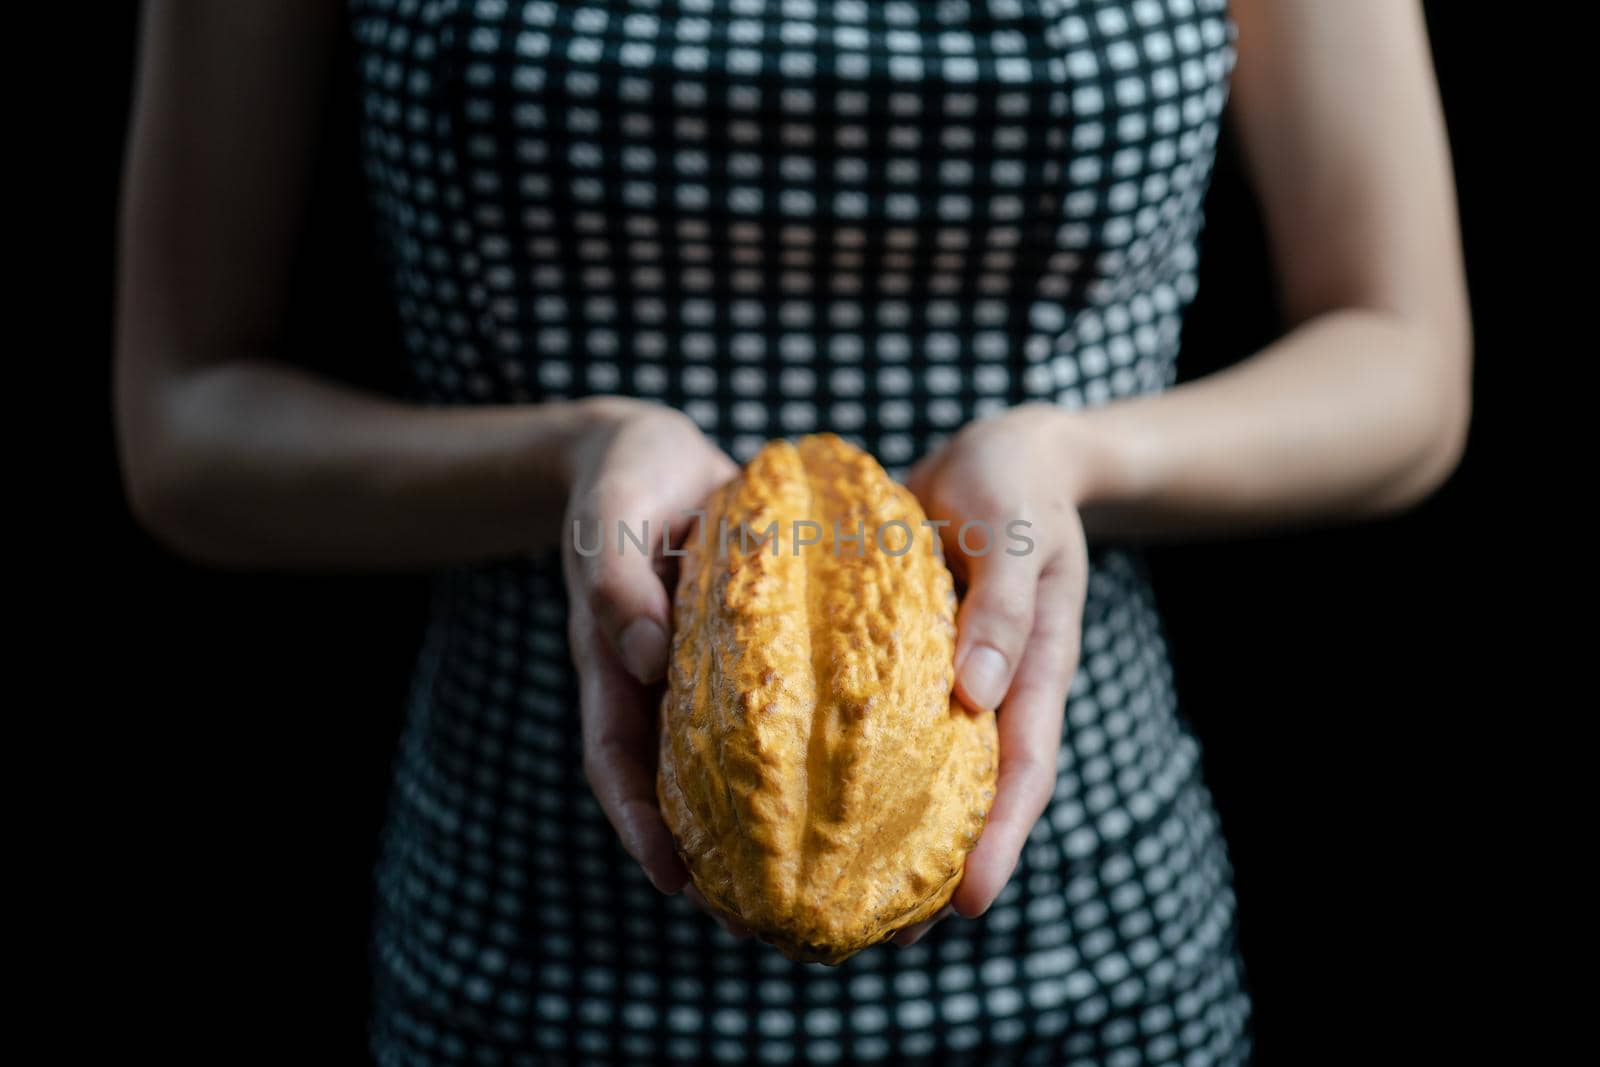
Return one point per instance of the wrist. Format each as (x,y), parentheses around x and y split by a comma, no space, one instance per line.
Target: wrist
(583,426)
(1111,455)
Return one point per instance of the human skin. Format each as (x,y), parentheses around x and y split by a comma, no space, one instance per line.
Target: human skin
(234,458)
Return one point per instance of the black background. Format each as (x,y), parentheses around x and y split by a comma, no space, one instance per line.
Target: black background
(1325,673)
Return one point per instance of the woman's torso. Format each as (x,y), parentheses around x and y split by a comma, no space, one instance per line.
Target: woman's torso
(882,219)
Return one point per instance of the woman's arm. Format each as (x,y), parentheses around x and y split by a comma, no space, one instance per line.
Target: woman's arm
(1363,407)
(234,458)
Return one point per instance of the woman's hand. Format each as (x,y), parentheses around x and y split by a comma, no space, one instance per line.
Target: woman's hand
(1017,646)
(644,465)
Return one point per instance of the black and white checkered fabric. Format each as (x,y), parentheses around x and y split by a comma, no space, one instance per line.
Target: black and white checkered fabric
(877,217)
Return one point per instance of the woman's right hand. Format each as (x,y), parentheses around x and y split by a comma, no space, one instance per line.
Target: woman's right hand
(638,463)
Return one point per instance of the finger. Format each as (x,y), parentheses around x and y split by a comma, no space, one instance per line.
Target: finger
(995,623)
(912,934)
(633,515)
(619,758)
(620,583)
(736,929)
(1030,738)
(919,477)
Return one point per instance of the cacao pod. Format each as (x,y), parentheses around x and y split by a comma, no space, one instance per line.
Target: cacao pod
(820,781)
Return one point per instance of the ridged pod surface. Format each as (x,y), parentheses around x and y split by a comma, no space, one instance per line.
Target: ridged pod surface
(819,779)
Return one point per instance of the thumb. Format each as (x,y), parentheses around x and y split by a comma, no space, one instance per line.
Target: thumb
(995,620)
(613,564)
(624,594)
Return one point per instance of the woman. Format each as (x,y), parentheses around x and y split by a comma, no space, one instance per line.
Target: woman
(631,240)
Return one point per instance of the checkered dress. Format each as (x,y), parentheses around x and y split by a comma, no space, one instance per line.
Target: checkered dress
(882,218)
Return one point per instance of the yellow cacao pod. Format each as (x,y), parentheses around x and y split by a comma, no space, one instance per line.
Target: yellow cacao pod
(819,779)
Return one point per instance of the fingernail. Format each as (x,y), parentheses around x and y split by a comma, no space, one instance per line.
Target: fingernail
(983,677)
(666,885)
(644,650)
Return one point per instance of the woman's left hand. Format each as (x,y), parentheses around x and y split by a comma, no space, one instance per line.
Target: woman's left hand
(1019,622)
